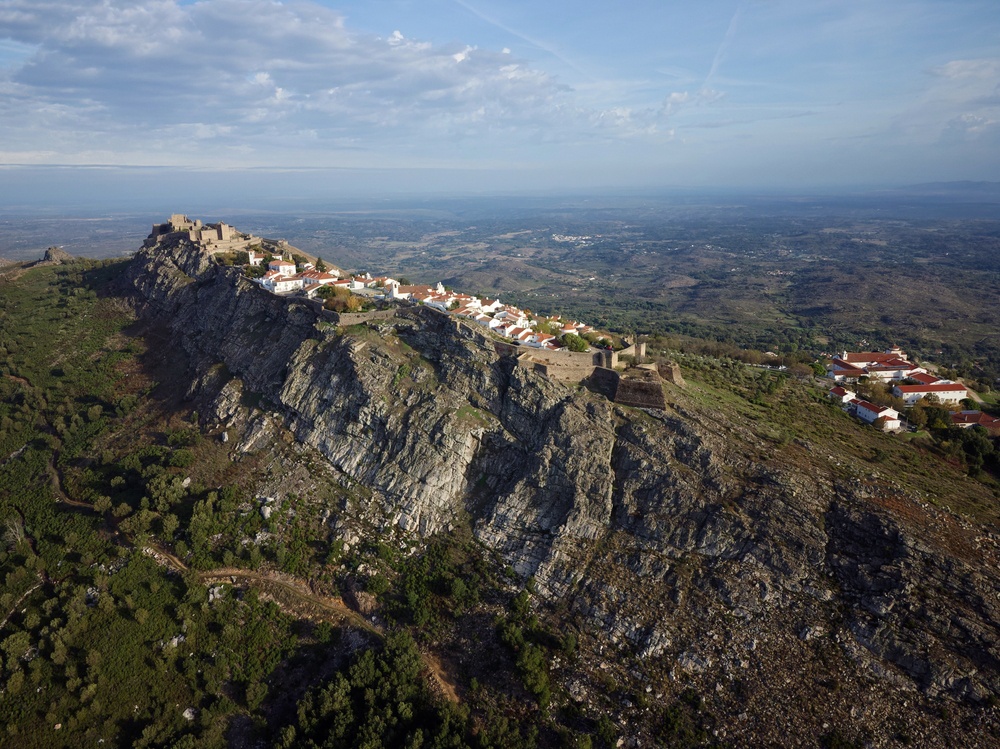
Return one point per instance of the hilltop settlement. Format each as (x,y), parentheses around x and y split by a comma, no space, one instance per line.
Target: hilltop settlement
(906,384)
(282,269)
(878,387)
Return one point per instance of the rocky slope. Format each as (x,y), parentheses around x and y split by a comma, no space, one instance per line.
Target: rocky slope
(800,596)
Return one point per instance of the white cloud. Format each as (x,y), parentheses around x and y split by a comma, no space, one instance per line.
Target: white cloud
(973,124)
(988,69)
(155,76)
(961,102)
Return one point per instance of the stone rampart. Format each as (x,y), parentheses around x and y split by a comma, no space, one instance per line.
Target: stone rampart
(637,388)
(611,359)
(605,381)
(564,366)
(644,392)
(355,318)
(671,372)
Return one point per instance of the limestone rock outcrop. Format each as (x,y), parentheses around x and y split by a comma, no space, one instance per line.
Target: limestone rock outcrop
(676,535)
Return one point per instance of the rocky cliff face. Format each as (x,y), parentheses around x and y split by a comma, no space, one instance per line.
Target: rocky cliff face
(798,591)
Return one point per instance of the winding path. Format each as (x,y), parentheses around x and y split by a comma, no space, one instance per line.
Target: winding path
(293,595)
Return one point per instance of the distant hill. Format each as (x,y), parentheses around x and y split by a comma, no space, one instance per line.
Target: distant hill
(963,189)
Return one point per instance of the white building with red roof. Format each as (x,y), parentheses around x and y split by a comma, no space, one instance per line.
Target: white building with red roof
(490,305)
(540,340)
(842,395)
(284,267)
(870,412)
(277,283)
(316,278)
(924,378)
(945,392)
(885,366)
(969,419)
(842,371)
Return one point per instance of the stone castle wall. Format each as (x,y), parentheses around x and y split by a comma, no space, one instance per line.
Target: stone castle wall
(355,318)
(646,392)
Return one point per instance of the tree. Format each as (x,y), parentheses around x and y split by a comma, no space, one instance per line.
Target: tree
(801,370)
(574,342)
(320,265)
(342,300)
(917,416)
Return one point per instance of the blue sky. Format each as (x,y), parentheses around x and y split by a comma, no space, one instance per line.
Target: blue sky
(768,93)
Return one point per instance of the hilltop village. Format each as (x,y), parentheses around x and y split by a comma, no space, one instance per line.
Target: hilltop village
(892,385)
(906,382)
(274,266)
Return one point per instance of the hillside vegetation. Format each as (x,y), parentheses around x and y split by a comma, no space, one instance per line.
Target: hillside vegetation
(387,536)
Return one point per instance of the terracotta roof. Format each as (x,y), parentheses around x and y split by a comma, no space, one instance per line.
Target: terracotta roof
(869,357)
(870,406)
(934,388)
(843,366)
(891,364)
(924,378)
(976,418)
(417,290)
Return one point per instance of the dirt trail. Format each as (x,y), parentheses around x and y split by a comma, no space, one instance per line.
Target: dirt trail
(441,677)
(19,601)
(293,595)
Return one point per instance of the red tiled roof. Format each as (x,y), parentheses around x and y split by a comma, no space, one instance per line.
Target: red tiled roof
(869,406)
(843,366)
(892,364)
(924,378)
(976,418)
(866,357)
(939,388)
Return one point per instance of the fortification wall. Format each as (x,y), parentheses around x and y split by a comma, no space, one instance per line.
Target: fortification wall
(671,372)
(612,358)
(640,393)
(605,381)
(355,318)
(564,366)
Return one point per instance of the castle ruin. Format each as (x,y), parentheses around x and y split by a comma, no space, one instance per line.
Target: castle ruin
(220,237)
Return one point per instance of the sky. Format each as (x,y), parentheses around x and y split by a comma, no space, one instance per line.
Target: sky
(515,95)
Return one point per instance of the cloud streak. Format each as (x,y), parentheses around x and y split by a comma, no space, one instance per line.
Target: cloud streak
(266,79)
(545,47)
(720,53)
(242,83)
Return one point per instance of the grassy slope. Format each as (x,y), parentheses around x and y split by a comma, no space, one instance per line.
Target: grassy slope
(85,641)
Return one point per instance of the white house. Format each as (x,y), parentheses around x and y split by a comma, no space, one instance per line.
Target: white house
(491,305)
(969,419)
(842,395)
(945,392)
(279,284)
(284,267)
(869,412)
(540,340)
(520,334)
(315,278)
